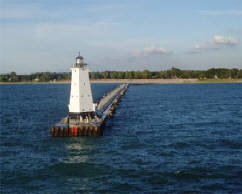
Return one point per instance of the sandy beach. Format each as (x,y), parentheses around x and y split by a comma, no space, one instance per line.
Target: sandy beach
(139,81)
(166,81)
(145,81)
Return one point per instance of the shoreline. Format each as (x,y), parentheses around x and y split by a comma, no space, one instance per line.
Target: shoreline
(139,81)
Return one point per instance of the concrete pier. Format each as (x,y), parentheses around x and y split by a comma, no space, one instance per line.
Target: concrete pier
(110,100)
(93,126)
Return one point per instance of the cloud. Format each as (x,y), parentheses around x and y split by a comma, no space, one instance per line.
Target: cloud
(78,30)
(15,11)
(216,43)
(221,40)
(114,7)
(221,12)
(152,51)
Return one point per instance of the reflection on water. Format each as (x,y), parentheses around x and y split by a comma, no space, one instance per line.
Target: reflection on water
(77,152)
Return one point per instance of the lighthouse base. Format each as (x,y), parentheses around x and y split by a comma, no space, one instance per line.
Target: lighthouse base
(76,130)
(81,116)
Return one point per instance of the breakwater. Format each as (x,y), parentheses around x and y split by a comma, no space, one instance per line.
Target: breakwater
(91,127)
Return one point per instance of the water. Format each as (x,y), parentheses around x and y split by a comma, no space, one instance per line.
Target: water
(162,139)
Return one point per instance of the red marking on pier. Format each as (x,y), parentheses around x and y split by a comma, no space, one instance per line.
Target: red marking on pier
(74,131)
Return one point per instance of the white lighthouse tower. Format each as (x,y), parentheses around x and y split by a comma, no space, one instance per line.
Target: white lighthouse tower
(81,103)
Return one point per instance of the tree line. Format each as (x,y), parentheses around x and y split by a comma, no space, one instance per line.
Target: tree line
(173,73)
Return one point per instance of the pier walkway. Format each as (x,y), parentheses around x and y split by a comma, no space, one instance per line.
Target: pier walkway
(111,98)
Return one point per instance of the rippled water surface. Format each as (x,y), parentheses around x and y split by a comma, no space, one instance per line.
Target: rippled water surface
(162,138)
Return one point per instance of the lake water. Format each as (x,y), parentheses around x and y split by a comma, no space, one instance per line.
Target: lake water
(162,139)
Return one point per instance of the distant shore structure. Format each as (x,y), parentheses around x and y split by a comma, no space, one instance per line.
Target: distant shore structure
(81,101)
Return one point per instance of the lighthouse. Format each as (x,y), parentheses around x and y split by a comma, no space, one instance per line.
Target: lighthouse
(81,105)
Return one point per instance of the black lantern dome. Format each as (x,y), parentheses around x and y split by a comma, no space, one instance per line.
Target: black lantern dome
(79,57)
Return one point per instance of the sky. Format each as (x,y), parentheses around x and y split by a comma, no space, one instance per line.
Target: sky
(121,35)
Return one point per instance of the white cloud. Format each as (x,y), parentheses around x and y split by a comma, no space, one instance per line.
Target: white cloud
(217,43)
(221,40)
(152,51)
(221,12)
